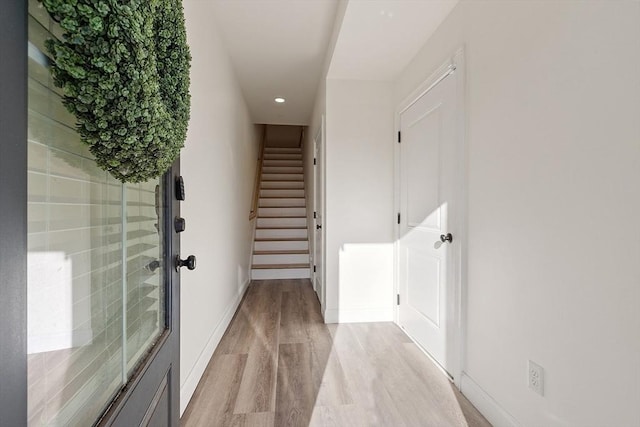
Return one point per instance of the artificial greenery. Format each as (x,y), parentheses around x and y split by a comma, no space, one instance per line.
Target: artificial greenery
(124,68)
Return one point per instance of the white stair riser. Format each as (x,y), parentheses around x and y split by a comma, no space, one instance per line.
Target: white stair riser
(265,203)
(282,156)
(282,184)
(276,192)
(282,222)
(282,150)
(289,273)
(281,212)
(283,234)
(282,169)
(281,259)
(281,245)
(269,162)
(281,177)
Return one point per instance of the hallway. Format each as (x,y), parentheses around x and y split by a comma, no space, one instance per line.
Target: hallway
(278,364)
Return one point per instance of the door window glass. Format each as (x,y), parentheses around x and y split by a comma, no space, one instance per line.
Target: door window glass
(95,275)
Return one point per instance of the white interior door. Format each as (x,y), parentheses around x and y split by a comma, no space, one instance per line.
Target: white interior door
(427,265)
(318,209)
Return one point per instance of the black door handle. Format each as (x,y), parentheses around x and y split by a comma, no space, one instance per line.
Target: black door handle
(446,238)
(190,262)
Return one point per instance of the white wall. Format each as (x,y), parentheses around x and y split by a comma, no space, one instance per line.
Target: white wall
(311,131)
(553,108)
(359,201)
(283,136)
(218,165)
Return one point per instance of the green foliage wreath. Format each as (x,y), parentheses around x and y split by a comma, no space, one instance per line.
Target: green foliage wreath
(124,67)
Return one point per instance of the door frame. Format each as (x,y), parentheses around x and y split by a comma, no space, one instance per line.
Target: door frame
(453,67)
(13,212)
(128,406)
(318,187)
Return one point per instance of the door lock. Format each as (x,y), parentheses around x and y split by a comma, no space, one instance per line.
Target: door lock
(318,226)
(180,188)
(446,238)
(190,262)
(179,224)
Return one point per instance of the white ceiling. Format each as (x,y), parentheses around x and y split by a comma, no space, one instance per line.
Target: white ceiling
(278,47)
(378,38)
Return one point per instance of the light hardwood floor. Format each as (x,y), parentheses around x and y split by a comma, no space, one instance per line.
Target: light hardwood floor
(279,365)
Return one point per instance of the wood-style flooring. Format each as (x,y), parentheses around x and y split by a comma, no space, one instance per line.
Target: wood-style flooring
(278,365)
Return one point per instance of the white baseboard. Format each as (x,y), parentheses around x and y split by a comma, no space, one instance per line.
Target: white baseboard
(358,315)
(189,386)
(486,404)
(331,316)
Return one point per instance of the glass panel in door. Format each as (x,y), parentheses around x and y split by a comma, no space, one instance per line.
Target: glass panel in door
(96,280)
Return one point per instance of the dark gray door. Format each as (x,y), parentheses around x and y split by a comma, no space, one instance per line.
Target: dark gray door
(152,396)
(89,322)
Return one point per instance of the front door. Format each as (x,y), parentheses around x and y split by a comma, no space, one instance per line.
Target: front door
(428,226)
(93,329)
(318,208)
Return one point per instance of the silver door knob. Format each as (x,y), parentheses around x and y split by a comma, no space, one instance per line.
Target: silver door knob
(446,238)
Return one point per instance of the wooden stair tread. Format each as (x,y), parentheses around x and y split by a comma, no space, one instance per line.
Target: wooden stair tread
(282,252)
(279,266)
(280,173)
(282,216)
(281,197)
(281,188)
(283,227)
(285,207)
(283,180)
(281,239)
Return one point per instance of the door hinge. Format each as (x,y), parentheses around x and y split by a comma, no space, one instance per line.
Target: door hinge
(315,215)
(314,161)
(398,300)
(399,137)
(398,217)
(314,268)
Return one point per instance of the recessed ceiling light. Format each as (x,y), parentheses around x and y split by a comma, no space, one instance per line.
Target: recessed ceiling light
(279,100)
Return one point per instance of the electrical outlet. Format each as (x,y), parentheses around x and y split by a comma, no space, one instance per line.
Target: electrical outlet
(536,378)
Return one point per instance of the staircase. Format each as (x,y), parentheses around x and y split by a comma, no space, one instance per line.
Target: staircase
(281,247)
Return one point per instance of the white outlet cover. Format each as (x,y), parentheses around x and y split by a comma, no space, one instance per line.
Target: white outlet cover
(535,374)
